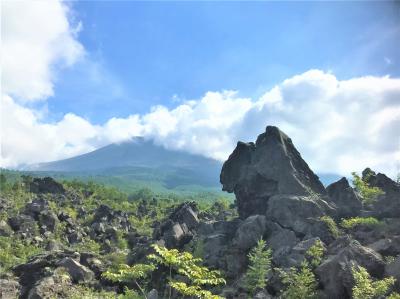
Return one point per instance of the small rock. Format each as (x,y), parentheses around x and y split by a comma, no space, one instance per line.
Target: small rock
(77,271)
(153,294)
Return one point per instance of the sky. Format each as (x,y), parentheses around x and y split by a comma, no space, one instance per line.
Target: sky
(199,76)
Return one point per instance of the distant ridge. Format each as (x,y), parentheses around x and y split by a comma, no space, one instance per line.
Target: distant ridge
(142,160)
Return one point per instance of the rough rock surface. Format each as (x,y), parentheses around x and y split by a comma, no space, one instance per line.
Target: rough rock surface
(346,201)
(77,271)
(335,272)
(249,232)
(45,185)
(178,229)
(388,204)
(393,269)
(255,172)
(295,212)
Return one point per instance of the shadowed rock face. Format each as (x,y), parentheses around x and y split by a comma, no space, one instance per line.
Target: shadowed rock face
(345,199)
(387,204)
(255,172)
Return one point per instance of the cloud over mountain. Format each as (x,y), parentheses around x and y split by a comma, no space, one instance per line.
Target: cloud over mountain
(338,125)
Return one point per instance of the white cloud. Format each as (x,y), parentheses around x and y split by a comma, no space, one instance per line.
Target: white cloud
(338,125)
(36,38)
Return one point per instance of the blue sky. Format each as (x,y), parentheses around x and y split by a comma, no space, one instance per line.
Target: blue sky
(141,54)
(199,76)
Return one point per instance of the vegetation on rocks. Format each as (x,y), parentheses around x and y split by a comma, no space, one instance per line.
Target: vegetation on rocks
(356,221)
(259,266)
(80,239)
(368,194)
(366,288)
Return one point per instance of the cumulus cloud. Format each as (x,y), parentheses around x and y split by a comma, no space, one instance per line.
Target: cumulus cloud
(338,125)
(36,37)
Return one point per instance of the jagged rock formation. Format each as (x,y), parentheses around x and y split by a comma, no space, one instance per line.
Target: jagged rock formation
(255,172)
(347,202)
(45,185)
(178,229)
(279,200)
(335,273)
(388,204)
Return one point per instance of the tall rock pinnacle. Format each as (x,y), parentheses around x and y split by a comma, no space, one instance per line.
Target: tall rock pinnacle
(255,172)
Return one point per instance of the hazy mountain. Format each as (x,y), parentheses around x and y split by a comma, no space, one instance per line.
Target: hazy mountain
(141,163)
(141,160)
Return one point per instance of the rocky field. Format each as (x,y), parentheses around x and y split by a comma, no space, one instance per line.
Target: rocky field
(82,240)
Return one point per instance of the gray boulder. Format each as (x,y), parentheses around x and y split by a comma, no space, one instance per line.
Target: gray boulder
(347,202)
(78,272)
(255,172)
(48,220)
(393,269)
(35,207)
(23,224)
(294,212)
(249,232)
(46,185)
(180,226)
(388,204)
(5,229)
(389,246)
(281,241)
(335,272)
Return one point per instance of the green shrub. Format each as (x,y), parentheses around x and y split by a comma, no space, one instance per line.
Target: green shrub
(300,283)
(125,273)
(14,251)
(356,221)
(315,253)
(87,245)
(82,292)
(142,224)
(366,288)
(185,264)
(259,267)
(368,194)
(331,224)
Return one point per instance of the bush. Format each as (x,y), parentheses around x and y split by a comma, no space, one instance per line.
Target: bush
(185,264)
(365,288)
(300,283)
(87,245)
(356,221)
(259,267)
(315,253)
(14,251)
(331,224)
(368,194)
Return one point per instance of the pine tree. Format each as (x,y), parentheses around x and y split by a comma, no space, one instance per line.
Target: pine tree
(259,267)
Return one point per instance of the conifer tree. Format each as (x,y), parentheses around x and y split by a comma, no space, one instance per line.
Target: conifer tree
(259,267)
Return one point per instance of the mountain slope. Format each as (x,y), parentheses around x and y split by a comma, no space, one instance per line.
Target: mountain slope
(141,160)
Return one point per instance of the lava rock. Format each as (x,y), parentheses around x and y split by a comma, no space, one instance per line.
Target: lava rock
(294,212)
(249,232)
(255,172)
(46,185)
(335,272)
(345,199)
(78,272)
(387,204)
